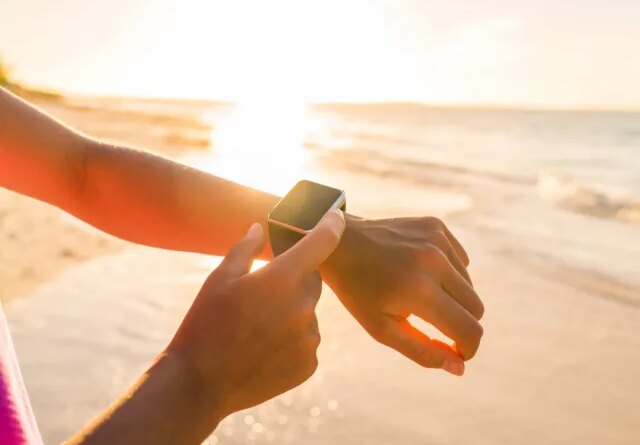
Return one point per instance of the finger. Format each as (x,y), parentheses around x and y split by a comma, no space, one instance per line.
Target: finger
(313,330)
(462,254)
(240,258)
(314,248)
(461,290)
(312,286)
(454,321)
(415,345)
(303,297)
(444,244)
(460,268)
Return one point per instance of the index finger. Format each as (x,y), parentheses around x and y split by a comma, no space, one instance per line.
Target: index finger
(462,254)
(417,346)
(311,251)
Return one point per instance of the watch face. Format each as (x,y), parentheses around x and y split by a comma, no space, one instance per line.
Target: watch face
(305,204)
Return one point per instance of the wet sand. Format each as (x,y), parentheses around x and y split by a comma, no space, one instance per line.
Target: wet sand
(38,241)
(558,363)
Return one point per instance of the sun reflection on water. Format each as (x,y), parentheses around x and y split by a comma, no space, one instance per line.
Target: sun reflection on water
(261,145)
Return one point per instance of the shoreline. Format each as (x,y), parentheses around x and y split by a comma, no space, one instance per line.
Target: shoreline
(38,241)
(554,329)
(546,357)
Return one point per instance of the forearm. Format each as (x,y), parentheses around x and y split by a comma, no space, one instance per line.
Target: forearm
(134,195)
(39,156)
(166,406)
(131,194)
(150,200)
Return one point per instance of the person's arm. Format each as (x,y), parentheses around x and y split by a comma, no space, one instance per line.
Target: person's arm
(382,271)
(131,194)
(165,405)
(211,368)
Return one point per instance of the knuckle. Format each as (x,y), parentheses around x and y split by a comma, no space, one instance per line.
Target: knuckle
(478,331)
(311,364)
(381,332)
(475,333)
(432,221)
(440,242)
(314,341)
(303,307)
(426,294)
(479,312)
(440,237)
(305,312)
(313,287)
(307,358)
(433,255)
(424,356)
(464,256)
(299,324)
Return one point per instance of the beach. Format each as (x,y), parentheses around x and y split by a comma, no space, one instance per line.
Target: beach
(546,203)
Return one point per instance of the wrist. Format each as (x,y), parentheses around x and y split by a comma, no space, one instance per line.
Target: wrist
(342,258)
(169,396)
(198,400)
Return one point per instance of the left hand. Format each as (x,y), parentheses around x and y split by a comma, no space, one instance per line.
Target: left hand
(385,270)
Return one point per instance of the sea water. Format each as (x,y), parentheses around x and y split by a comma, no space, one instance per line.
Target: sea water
(546,203)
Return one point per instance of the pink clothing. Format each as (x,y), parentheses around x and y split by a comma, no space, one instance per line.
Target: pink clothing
(17,422)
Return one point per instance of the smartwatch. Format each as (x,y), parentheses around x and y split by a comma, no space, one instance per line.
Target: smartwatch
(299,211)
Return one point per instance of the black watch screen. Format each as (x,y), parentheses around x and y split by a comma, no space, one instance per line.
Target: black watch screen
(305,204)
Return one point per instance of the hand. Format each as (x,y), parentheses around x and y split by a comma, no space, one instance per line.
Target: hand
(385,270)
(253,335)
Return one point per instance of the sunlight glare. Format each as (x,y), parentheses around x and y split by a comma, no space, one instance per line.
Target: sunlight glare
(261,144)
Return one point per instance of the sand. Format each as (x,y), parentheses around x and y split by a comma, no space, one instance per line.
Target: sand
(558,364)
(37,240)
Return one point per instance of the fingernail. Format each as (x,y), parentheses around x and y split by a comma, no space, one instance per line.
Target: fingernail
(337,217)
(254,231)
(454,367)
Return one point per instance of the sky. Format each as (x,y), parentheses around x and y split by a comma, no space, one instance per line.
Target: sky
(559,54)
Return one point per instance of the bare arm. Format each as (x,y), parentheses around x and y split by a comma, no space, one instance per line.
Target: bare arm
(166,405)
(211,368)
(382,271)
(131,194)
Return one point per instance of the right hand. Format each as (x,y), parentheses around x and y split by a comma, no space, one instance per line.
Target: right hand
(250,336)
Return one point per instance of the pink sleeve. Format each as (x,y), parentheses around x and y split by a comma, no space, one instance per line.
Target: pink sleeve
(17,422)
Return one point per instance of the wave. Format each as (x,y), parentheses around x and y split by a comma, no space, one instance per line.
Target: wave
(577,197)
(374,162)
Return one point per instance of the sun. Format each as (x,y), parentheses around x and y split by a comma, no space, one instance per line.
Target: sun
(261,143)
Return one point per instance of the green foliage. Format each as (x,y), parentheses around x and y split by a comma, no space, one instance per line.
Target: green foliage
(7,81)
(4,73)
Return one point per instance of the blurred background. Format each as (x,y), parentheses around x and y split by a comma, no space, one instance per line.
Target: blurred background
(516,122)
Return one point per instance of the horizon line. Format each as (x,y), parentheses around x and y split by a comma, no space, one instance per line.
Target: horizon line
(495,106)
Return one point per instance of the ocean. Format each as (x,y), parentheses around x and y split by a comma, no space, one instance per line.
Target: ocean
(546,202)
(559,190)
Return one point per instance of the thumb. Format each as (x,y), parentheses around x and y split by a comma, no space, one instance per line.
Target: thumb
(315,247)
(240,258)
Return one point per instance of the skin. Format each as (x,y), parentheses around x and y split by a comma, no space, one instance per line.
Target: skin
(382,270)
(211,368)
